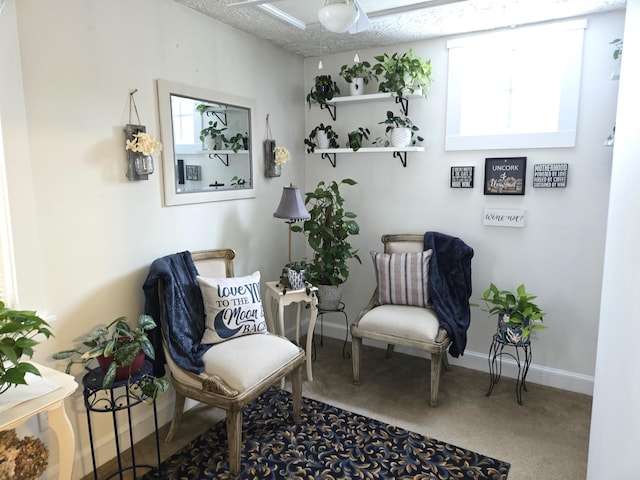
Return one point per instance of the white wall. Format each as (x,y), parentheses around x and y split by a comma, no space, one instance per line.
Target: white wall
(85,235)
(615,423)
(558,255)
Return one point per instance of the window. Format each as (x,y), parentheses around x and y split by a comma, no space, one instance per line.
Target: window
(7,283)
(515,89)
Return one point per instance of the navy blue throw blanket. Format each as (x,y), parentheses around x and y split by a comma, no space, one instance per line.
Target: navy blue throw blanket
(182,303)
(450,278)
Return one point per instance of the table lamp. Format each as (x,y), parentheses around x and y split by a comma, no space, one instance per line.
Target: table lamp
(291,208)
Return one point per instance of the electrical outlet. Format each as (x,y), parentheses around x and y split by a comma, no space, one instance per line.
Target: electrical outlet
(43,421)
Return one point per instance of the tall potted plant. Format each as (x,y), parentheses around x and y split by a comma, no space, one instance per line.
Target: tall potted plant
(403,73)
(328,230)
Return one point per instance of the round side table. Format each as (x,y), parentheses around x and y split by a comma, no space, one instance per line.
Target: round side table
(117,398)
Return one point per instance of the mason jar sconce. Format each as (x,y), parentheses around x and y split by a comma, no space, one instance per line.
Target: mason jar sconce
(139,164)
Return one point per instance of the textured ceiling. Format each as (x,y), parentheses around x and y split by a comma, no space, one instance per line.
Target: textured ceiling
(390,27)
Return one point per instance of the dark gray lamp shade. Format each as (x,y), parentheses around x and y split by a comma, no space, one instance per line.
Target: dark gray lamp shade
(291,205)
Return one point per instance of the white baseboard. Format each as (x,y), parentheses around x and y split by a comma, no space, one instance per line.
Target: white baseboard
(550,377)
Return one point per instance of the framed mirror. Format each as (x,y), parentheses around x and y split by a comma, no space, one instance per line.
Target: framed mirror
(207,148)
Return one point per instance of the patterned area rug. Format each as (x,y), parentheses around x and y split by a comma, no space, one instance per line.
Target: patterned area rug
(328,443)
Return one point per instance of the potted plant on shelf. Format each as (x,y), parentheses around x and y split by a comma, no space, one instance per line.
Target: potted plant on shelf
(20,331)
(321,137)
(356,136)
(400,131)
(119,350)
(235,143)
(403,73)
(238,182)
(517,315)
(328,230)
(212,136)
(324,89)
(357,75)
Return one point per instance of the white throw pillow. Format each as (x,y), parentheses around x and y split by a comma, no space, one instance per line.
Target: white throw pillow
(232,307)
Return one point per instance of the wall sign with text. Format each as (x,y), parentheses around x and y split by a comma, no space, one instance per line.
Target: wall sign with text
(502,217)
(462,177)
(505,176)
(550,175)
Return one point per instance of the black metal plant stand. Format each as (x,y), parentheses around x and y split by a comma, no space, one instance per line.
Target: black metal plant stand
(321,314)
(118,397)
(522,355)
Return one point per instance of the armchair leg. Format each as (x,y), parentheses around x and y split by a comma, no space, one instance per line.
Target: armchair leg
(390,348)
(356,345)
(296,392)
(178,409)
(234,439)
(445,361)
(436,360)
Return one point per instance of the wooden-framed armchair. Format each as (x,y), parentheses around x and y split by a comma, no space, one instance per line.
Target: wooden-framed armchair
(231,373)
(404,313)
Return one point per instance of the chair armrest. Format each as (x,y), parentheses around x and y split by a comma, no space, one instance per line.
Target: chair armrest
(215,384)
(372,303)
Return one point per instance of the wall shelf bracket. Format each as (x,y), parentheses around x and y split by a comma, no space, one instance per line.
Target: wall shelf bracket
(331,157)
(219,156)
(330,108)
(402,156)
(404,104)
(222,116)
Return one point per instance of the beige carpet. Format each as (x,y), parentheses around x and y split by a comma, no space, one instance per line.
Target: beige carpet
(545,439)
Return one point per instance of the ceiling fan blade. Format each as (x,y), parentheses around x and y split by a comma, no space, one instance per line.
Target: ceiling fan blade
(363,22)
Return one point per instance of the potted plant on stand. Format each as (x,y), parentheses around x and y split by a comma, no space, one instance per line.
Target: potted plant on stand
(120,351)
(328,230)
(517,315)
(400,131)
(324,89)
(403,73)
(321,137)
(357,76)
(211,136)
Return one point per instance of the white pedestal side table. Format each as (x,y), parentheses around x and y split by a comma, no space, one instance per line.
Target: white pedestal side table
(52,402)
(275,292)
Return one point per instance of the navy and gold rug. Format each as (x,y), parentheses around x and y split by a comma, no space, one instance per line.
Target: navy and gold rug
(328,443)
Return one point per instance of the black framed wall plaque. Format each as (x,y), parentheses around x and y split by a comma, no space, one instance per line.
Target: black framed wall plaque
(505,176)
(462,177)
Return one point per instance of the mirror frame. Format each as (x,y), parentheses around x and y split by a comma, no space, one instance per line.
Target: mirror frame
(167,88)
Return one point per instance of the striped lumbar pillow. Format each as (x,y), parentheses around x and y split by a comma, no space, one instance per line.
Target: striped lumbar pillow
(402,278)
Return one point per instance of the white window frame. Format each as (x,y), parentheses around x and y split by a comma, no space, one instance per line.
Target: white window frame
(570,49)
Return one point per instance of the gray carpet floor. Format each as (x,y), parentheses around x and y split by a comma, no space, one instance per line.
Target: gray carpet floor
(544,439)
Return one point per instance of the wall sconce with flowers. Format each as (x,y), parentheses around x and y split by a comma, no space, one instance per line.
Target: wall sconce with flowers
(140,147)
(274,157)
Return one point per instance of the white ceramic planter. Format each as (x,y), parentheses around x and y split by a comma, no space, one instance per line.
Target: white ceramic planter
(321,139)
(400,137)
(356,87)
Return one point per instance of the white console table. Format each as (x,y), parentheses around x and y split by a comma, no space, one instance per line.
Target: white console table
(52,402)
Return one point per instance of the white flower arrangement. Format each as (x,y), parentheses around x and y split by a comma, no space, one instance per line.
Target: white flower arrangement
(144,143)
(282,155)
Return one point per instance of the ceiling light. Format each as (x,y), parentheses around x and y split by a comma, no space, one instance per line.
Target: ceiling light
(338,16)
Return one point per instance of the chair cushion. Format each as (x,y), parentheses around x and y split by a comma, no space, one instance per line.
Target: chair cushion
(402,278)
(246,361)
(232,307)
(405,321)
